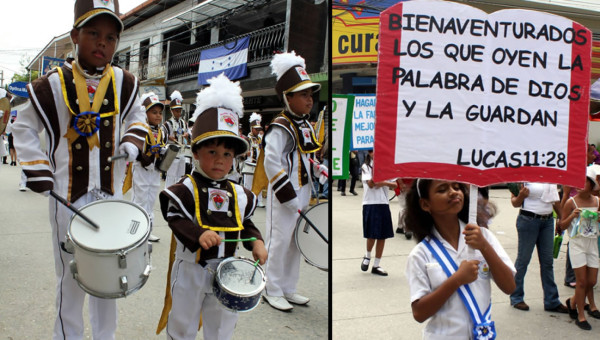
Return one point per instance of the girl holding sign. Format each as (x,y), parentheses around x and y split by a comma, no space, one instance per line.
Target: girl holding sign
(452,264)
(581,213)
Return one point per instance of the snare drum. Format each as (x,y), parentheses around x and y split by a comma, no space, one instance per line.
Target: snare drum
(238,284)
(113,261)
(314,249)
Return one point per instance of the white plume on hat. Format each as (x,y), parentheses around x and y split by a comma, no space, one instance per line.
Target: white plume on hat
(222,92)
(254,117)
(284,61)
(147,95)
(176,95)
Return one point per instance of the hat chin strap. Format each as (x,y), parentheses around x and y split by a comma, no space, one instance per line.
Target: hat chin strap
(82,71)
(198,168)
(288,109)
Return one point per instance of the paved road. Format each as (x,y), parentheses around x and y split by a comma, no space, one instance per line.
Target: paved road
(374,307)
(27,281)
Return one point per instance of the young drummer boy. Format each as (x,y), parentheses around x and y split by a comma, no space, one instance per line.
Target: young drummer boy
(83,106)
(145,175)
(178,133)
(204,208)
(289,143)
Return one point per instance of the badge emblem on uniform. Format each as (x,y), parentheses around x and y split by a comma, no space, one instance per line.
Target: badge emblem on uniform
(306,135)
(484,270)
(218,200)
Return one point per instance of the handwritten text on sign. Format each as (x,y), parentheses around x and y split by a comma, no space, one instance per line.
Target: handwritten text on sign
(363,123)
(462,93)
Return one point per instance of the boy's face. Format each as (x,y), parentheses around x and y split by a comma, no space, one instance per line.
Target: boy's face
(97,41)
(215,160)
(301,102)
(154,115)
(176,113)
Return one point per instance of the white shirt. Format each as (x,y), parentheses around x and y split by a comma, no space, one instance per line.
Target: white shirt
(424,273)
(372,195)
(534,202)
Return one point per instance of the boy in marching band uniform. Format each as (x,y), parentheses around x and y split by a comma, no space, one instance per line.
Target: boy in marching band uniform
(83,106)
(289,143)
(146,176)
(255,139)
(178,133)
(204,208)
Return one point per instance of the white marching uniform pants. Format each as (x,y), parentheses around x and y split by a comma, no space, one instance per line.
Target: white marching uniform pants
(146,184)
(248,178)
(176,171)
(191,290)
(283,266)
(69,296)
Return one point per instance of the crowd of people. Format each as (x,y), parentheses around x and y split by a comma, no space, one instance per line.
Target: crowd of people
(102,138)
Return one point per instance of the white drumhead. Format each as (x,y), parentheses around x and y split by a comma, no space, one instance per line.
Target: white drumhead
(314,249)
(122,224)
(236,275)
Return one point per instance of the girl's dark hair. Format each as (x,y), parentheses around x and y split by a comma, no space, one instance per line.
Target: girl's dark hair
(368,159)
(230,143)
(419,221)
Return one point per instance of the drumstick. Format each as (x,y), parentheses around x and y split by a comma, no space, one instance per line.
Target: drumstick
(312,225)
(73,209)
(315,162)
(239,239)
(119,156)
(254,272)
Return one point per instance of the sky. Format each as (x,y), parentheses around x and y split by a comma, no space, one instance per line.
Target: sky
(29,25)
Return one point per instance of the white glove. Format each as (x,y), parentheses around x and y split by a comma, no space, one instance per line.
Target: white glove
(320,171)
(130,149)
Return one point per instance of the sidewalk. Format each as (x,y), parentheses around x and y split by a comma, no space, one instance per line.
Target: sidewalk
(375,307)
(27,281)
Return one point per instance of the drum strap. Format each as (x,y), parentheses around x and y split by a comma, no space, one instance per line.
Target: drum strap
(164,317)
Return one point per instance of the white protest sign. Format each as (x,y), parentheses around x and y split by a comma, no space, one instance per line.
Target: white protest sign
(363,122)
(481,98)
(341,118)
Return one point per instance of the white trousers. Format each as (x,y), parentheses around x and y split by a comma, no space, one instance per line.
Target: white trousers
(175,172)
(69,296)
(191,289)
(146,184)
(283,265)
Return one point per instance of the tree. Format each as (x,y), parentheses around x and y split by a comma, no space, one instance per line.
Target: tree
(25,76)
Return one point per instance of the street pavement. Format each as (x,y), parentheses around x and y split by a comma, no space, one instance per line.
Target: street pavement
(367,306)
(27,281)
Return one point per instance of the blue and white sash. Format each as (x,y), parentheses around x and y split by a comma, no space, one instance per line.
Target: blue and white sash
(484,326)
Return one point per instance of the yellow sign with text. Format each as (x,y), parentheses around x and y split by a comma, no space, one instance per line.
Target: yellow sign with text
(354,39)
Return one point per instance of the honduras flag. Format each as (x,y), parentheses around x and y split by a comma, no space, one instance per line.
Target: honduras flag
(233,62)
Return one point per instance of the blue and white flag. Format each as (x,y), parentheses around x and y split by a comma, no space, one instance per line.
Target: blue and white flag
(231,61)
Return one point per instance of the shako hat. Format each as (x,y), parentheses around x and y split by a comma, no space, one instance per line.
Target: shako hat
(290,70)
(219,108)
(150,99)
(255,120)
(176,100)
(85,10)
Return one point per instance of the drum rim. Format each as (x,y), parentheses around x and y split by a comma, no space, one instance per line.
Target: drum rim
(258,290)
(114,295)
(298,245)
(109,251)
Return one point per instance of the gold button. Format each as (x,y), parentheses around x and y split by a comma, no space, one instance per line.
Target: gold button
(229,213)
(203,189)
(77,101)
(208,212)
(79,168)
(304,175)
(105,102)
(107,145)
(78,146)
(106,123)
(106,168)
(229,194)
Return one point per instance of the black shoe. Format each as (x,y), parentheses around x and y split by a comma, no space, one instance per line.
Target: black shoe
(570,284)
(521,306)
(559,309)
(379,271)
(583,325)
(594,314)
(399,230)
(365,264)
(572,312)
(408,235)
(343,193)
(353,193)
